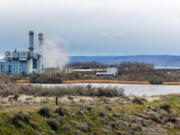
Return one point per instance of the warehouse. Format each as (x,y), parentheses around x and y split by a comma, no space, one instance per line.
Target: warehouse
(23,62)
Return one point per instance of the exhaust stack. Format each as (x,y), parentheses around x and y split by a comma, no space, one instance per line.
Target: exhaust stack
(40,43)
(31,42)
(40,35)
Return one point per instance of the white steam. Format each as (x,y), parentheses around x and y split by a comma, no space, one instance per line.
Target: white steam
(55,53)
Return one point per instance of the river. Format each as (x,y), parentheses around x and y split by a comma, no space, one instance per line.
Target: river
(129,89)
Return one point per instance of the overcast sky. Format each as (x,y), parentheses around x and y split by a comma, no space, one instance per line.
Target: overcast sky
(94,27)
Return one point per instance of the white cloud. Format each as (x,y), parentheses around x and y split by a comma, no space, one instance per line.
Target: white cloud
(164,10)
(117,5)
(105,34)
(119,35)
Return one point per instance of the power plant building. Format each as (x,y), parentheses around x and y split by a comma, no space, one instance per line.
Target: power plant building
(23,62)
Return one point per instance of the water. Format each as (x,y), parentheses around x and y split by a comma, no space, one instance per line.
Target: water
(129,89)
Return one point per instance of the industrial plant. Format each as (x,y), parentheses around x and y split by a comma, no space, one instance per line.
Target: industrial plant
(24,62)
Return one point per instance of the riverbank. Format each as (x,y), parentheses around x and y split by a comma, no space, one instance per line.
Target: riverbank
(115,81)
(104,81)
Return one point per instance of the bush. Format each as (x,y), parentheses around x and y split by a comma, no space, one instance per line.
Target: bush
(13,89)
(156,80)
(138,100)
(110,92)
(45,112)
(66,127)
(48,77)
(81,125)
(53,123)
(102,114)
(165,106)
(20,117)
(73,91)
(155,117)
(62,111)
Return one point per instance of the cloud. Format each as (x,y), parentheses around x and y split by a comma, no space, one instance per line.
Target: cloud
(119,35)
(119,23)
(104,34)
(116,35)
(116,5)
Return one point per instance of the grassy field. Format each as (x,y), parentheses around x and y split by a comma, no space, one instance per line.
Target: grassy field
(77,115)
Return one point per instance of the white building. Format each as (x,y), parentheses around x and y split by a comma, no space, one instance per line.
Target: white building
(111,71)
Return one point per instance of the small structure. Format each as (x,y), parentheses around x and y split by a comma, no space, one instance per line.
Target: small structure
(68,70)
(111,71)
(83,70)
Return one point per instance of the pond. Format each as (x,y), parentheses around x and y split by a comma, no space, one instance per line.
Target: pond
(129,89)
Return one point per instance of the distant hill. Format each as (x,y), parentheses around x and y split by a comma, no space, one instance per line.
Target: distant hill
(157,60)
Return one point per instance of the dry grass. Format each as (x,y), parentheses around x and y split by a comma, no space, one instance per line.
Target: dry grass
(24,108)
(171,83)
(116,81)
(22,81)
(105,81)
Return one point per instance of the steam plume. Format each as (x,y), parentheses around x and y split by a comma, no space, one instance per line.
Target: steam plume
(55,53)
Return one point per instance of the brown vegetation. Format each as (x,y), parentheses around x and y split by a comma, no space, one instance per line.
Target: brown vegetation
(105,81)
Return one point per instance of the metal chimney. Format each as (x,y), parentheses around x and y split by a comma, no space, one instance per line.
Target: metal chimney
(40,42)
(31,42)
(40,64)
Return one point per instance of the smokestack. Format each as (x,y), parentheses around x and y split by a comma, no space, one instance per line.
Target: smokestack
(40,65)
(40,42)
(31,42)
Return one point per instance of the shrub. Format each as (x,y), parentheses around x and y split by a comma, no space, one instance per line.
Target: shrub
(138,100)
(16,96)
(156,80)
(73,91)
(20,117)
(155,117)
(165,106)
(89,108)
(110,91)
(12,89)
(62,111)
(48,77)
(66,127)
(102,114)
(108,108)
(53,123)
(81,125)
(45,112)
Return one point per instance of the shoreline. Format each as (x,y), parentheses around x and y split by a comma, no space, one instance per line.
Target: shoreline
(116,82)
(103,81)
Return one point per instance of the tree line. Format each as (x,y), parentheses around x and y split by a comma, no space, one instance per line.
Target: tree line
(121,66)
